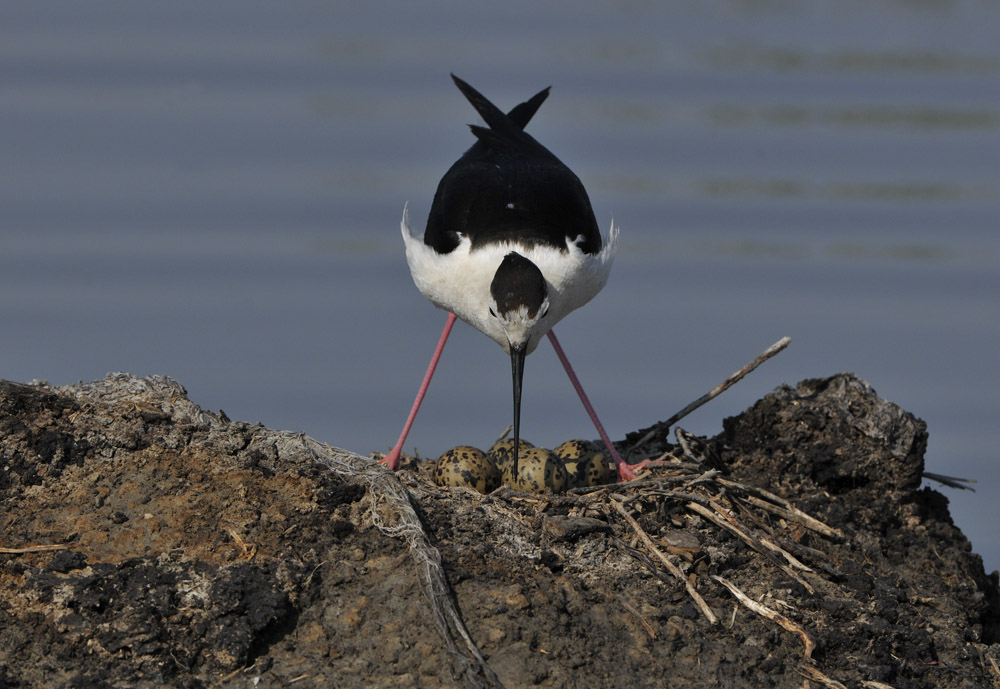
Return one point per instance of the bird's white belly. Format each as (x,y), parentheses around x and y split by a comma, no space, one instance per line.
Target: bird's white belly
(459,281)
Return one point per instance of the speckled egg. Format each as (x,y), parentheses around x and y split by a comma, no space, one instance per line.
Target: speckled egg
(502,452)
(575,449)
(585,464)
(538,470)
(594,470)
(467,466)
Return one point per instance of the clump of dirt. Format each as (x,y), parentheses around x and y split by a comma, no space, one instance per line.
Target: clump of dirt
(146,542)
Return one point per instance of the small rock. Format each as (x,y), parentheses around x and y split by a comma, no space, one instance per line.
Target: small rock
(66,561)
(558,528)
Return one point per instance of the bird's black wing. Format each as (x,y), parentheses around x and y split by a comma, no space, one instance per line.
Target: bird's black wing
(508,186)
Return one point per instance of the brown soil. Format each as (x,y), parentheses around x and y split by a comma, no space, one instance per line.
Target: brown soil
(200,552)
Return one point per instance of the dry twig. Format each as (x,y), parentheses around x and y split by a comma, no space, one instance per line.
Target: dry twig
(249,549)
(763,540)
(642,619)
(993,665)
(729,523)
(717,390)
(951,481)
(810,672)
(32,549)
(671,567)
(765,611)
(778,505)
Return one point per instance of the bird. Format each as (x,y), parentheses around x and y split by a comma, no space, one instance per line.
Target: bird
(511,247)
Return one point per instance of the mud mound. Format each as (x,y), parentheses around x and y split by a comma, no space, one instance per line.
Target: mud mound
(145,542)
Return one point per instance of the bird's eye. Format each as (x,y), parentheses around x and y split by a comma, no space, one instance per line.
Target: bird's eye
(492,312)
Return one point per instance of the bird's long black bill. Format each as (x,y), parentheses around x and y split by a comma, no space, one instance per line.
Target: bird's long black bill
(517,371)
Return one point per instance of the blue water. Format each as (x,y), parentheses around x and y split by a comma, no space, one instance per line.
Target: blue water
(213,192)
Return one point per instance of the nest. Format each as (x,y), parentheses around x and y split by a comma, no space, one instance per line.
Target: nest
(683,488)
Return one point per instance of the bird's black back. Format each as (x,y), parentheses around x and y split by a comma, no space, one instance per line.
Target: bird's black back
(508,186)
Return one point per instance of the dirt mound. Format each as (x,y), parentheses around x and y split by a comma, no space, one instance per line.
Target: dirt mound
(145,542)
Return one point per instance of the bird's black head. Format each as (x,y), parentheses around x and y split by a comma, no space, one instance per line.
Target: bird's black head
(519,297)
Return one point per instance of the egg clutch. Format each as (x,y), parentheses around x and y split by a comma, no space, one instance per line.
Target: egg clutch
(574,464)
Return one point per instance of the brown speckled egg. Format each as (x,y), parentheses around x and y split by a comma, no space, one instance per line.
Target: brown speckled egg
(538,470)
(466,466)
(595,470)
(586,465)
(502,452)
(575,449)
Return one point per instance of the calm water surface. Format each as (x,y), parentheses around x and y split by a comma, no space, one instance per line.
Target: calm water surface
(214,192)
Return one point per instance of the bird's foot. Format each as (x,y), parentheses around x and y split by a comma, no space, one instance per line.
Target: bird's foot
(628,472)
(625,472)
(391,460)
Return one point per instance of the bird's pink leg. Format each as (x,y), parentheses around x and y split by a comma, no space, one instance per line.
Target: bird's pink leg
(391,460)
(625,471)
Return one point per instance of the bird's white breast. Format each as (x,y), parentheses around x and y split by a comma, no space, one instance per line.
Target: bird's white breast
(459,281)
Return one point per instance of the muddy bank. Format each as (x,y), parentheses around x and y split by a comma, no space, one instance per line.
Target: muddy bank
(189,550)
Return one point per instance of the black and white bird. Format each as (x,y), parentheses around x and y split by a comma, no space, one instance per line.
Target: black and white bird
(511,247)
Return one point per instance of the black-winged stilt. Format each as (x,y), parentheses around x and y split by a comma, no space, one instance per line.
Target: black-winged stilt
(511,247)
